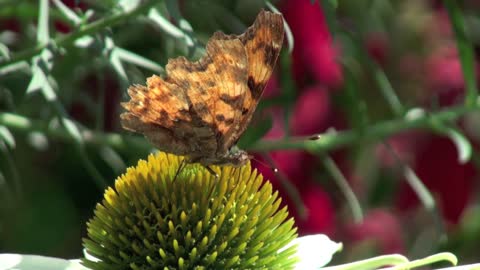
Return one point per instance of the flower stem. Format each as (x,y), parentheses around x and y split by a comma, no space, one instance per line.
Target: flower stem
(334,140)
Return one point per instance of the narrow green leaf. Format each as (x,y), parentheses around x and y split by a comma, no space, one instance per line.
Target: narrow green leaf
(113,159)
(128,5)
(67,12)
(7,137)
(117,65)
(357,106)
(464,148)
(465,51)
(174,10)
(72,130)
(15,67)
(344,186)
(138,60)
(36,81)
(424,195)
(4,51)
(164,24)
(39,81)
(463,145)
(84,42)
(43,35)
(387,90)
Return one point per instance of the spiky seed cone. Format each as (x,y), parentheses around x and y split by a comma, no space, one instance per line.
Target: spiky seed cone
(149,221)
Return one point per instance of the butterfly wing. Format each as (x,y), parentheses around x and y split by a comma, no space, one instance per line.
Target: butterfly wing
(263,42)
(201,108)
(195,103)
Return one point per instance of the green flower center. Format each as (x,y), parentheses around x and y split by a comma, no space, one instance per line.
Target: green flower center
(159,217)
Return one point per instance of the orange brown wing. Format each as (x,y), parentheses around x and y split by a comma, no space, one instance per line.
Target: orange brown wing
(196,102)
(216,84)
(263,42)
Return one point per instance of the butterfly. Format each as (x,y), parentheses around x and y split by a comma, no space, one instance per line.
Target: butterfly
(200,109)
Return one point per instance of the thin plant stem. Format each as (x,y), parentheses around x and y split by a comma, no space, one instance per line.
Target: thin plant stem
(290,188)
(334,140)
(465,50)
(423,194)
(342,183)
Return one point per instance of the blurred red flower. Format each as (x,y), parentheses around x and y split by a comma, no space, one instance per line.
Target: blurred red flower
(314,52)
(311,111)
(438,167)
(320,213)
(380,226)
(444,76)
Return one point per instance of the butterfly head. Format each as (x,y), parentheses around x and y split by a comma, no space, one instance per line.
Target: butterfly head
(237,157)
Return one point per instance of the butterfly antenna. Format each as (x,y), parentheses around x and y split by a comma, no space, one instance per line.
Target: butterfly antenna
(271,167)
(179,169)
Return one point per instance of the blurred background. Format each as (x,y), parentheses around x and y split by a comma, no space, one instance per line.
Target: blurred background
(390,86)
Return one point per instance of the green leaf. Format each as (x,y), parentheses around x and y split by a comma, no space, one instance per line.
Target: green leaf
(4,51)
(7,137)
(67,12)
(128,5)
(15,67)
(165,24)
(465,51)
(43,35)
(72,129)
(424,195)
(464,147)
(36,81)
(84,41)
(256,132)
(117,65)
(387,89)
(113,159)
(138,60)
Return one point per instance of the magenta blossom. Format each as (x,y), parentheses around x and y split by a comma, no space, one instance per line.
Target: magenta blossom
(314,52)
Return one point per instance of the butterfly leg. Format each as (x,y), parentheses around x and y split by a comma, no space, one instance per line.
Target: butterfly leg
(212,172)
(179,169)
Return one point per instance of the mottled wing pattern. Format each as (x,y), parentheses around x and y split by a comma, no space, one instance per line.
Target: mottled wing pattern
(215,85)
(194,105)
(263,42)
(200,109)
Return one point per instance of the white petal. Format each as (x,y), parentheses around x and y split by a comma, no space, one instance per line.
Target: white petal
(89,257)
(34,262)
(314,251)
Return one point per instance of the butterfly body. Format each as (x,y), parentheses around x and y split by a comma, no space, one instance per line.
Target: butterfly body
(200,109)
